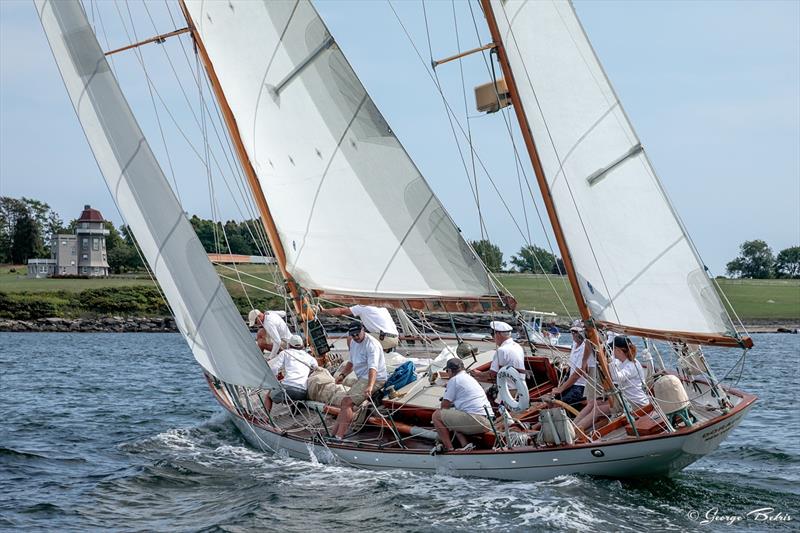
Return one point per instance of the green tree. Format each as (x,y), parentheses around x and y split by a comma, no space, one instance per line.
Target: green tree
(490,254)
(755,261)
(54,225)
(124,258)
(113,239)
(11,209)
(40,212)
(26,242)
(558,268)
(210,235)
(787,265)
(534,259)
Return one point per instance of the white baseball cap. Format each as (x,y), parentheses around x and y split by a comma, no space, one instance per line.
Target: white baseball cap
(252,316)
(296,341)
(499,325)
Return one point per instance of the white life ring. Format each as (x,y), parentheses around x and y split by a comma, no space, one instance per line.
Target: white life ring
(505,378)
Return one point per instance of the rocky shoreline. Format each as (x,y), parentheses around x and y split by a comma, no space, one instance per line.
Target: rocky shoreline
(114,324)
(117,324)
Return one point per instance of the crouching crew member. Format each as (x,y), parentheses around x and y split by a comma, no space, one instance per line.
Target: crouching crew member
(464,407)
(296,364)
(377,321)
(273,334)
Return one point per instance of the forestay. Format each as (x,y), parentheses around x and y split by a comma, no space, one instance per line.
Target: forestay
(353,212)
(204,311)
(634,262)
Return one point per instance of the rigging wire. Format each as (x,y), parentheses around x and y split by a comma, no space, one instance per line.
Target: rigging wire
(153,101)
(469,127)
(454,120)
(435,78)
(135,243)
(490,70)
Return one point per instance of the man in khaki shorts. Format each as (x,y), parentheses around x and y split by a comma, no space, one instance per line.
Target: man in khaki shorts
(369,364)
(464,408)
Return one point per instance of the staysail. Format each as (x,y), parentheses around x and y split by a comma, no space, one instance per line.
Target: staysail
(204,311)
(354,215)
(635,265)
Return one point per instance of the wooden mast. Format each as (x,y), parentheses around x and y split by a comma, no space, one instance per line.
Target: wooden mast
(547,197)
(300,306)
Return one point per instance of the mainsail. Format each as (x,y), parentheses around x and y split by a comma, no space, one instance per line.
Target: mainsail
(204,311)
(634,262)
(354,215)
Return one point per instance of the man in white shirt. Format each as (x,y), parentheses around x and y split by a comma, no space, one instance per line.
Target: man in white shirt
(274,333)
(572,390)
(508,353)
(464,407)
(369,364)
(296,364)
(377,321)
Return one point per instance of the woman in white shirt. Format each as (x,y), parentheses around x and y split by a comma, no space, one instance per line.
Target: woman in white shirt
(629,376)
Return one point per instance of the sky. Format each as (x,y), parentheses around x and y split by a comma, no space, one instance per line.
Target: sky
(711,87)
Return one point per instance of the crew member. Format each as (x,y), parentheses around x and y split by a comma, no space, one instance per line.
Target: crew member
(508,353)
(464,408)
(369,364)
(377,321)
(276,333)
(296,364)
(572,390)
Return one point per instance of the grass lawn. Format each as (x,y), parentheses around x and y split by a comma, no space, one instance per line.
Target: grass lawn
(764,299)
(752,299)
(19,282)
(535,293)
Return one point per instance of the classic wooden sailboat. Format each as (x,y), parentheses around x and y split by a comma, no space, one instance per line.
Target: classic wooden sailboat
(313,145)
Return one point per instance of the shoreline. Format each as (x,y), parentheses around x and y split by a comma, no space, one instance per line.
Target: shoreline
(166,324)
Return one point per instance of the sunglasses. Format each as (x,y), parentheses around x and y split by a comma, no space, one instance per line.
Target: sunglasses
(355,333)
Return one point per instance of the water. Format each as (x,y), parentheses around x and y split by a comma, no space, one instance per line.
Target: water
(119,432)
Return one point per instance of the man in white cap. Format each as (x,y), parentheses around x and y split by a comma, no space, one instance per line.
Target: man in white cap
(296,364)
(274,333)
(572,390)
(508,352)
(377,321)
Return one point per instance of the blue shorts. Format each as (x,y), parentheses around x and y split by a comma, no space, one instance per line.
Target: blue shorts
(572,395)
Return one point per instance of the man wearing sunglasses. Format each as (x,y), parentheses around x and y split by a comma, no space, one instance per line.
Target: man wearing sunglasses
(368,362)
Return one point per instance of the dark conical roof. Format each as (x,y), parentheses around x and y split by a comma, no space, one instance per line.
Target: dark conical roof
(90,215)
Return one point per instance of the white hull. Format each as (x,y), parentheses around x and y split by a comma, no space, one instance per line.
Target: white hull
(659,455)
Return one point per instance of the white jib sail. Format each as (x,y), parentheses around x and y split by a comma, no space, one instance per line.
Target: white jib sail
(635,264)
(353,212)
(204,311)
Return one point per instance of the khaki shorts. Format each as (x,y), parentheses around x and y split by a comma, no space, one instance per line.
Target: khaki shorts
(465,423)
(357,391)
(387,343)
(589,391)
